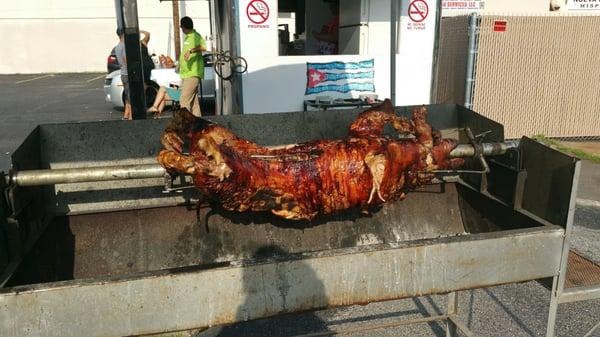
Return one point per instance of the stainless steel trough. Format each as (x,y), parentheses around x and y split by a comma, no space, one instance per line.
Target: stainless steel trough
(146,261)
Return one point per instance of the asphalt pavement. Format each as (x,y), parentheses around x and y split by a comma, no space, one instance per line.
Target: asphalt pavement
(29,100)
(589,183)
(510,310)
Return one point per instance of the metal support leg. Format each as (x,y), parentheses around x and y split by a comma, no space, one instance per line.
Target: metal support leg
(558,282)
(451,310)
(553,307)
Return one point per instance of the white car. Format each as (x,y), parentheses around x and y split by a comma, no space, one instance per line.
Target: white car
(113,87)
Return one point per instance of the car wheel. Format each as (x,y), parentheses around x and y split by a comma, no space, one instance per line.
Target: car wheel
(151,91)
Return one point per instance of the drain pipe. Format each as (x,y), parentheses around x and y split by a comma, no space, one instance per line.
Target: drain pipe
(471,59)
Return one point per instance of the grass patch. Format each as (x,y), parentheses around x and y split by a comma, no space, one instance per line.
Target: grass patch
(576,152)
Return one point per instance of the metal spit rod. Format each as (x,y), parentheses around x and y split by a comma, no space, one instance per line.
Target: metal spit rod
(142,171)
(85,174)
(486,149)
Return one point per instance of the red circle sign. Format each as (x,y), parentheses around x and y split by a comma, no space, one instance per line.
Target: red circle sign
(418,10)
(257,11)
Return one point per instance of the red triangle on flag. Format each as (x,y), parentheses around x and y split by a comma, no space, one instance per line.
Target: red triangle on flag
(315,77)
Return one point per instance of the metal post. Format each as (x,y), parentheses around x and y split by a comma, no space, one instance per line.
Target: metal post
(211,11)
(436,48)
(451,310)
(393,47)
(471,58)
(127,18)
(213,29)
(236,51)
(552,311)
(176,33)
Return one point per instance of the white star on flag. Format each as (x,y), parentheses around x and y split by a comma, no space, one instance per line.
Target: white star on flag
(316,77)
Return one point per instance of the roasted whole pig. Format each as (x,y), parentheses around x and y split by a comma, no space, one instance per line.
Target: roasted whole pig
(305,180)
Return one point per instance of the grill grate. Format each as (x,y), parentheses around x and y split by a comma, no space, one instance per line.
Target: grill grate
(581,271)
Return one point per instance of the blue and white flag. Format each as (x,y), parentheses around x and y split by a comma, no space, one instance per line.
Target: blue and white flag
(340,76)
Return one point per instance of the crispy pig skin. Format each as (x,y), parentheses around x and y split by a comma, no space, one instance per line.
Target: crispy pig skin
(318,177)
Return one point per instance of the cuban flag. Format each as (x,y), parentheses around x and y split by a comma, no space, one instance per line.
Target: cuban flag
(340,76)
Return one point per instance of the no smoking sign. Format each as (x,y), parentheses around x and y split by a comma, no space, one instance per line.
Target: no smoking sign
(418,10)
(257,12)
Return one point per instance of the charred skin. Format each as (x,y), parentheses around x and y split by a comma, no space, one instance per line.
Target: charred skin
(308,179)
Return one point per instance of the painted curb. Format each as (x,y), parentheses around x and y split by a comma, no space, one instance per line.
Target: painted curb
(588,203)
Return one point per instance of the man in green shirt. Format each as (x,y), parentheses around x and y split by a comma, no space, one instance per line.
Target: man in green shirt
(191,66)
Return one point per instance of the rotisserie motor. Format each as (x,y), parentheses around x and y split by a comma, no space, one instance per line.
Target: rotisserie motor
(319,177)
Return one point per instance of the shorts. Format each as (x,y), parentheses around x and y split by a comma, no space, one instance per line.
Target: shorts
(173,93)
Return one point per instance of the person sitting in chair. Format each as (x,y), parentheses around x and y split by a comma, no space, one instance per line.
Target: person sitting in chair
(163,95)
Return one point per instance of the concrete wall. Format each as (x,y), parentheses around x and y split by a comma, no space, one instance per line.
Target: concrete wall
(40,36)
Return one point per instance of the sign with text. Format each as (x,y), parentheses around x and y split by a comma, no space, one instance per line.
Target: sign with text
(257,21)
(418,10)
(414,58)
(583,5)
(475,4)
(257,13)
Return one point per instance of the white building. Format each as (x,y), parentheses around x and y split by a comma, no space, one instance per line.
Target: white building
(56,36)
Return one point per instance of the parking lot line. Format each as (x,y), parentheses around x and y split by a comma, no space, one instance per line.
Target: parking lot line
(35,78)
(96,78)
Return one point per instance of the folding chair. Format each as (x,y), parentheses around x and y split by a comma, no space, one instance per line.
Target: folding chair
(175,93)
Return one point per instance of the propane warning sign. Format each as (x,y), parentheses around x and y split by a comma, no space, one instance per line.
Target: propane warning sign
(258,13)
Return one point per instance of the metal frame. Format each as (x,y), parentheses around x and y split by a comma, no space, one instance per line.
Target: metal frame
(453,323)
(238,291)
(559,294)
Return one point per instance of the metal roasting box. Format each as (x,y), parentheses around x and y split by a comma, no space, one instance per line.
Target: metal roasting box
(145,261)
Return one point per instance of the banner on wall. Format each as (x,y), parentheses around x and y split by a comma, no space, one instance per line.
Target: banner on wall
(339,76)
